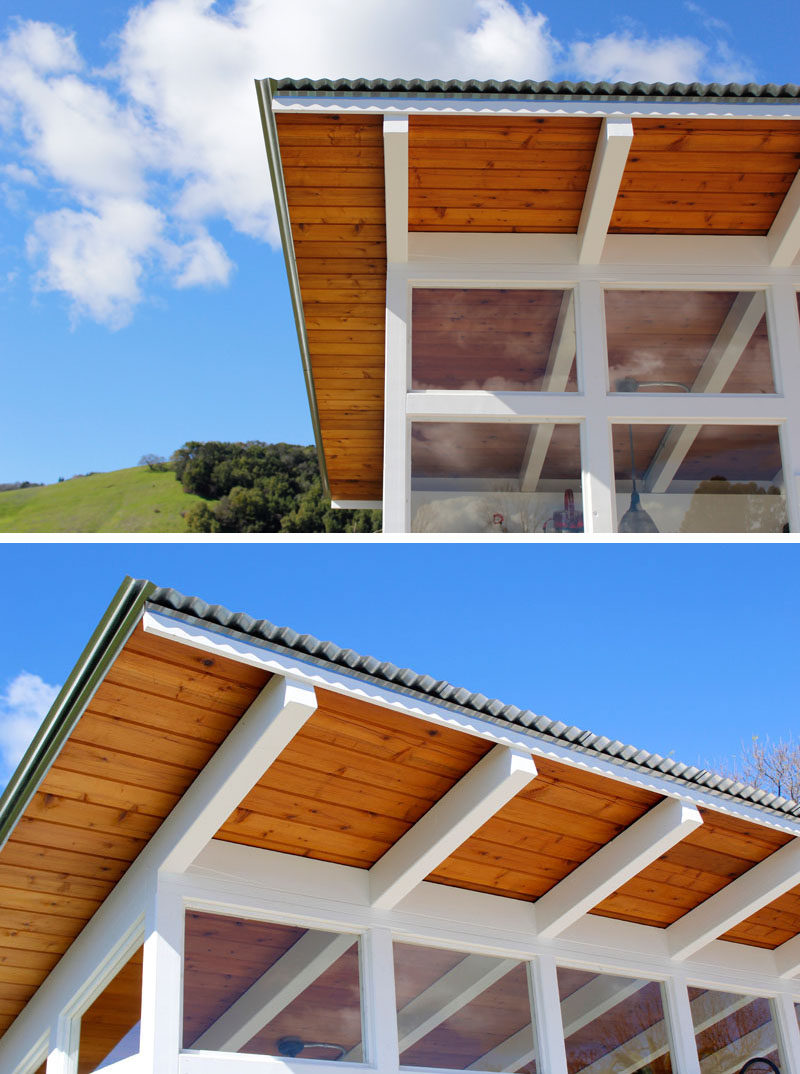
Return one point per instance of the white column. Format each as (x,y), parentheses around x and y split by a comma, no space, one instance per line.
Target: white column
(548,1032)
(162,983)
(785,1015)
(379,1005)
(597,457)
(784,337)
(396,447)
(678,1016)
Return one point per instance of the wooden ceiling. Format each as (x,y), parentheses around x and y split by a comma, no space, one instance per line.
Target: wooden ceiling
(490,174)
(351,783)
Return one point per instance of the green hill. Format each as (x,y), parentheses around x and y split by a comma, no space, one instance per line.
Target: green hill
(137,500)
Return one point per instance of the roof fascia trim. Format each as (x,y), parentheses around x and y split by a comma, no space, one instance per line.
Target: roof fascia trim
(265,90)
(109,636)
(180,627)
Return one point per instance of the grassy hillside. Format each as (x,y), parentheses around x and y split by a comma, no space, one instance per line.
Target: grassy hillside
(122,501)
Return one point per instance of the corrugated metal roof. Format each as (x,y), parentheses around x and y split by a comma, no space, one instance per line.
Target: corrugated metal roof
(444,693)
(435,87)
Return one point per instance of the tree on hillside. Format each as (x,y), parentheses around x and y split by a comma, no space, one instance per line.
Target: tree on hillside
(771,766)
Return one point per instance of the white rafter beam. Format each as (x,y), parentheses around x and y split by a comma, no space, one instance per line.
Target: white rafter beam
(556,376)
(735,333)
(268,725)
(787,958)
(756,888)
(610,157)
(783,238)
(477,796)
(395,177)
(280,985)
(614,864)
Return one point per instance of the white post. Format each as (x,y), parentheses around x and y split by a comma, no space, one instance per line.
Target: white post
(680,1026)
(786,1023)
(162,983)
(396,446)
(784,338)
(379,1007)
(548,1032)
(597,464)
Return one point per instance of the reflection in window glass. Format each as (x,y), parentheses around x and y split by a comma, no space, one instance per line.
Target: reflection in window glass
(457,1011)
(110,1027)
(699,479)
(486,477)
(613,1025)
(495,340)
(731,1029)
(699,341)
(303,989)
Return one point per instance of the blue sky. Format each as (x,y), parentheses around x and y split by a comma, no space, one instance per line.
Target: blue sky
(683,648)
(143,299)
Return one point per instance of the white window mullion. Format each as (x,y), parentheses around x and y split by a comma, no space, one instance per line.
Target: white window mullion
(597,464)
(785,1015)
(162,983)
(784,336)
(378,1005)
(680,1027)
(396,429)
(548,1030)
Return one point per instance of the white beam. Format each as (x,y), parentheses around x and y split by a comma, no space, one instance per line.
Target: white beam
(783,238)
(756,888)
(615,864)
(787,958)
(477,796)
(556,376)
(280,985)
(735,333)
(268,725)
(395,175)
(611,154)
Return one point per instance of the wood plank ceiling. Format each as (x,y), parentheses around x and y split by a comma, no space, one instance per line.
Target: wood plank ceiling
(487,174)
(347,787)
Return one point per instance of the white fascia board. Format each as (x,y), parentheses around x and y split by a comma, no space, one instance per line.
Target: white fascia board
(187,630)
(265,729)
(756,888)
(783,238)
(280,985)
(787,958)
(509,106)
(615,864)
(395,175)
(610,158)
(477,796)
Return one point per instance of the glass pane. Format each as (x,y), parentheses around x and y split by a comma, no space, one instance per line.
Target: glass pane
(303,989)
(699,479)
(731,1029)
(486,477)
(494,340)
(459,1011)
(613,1025)
(701,341)
(110,1027)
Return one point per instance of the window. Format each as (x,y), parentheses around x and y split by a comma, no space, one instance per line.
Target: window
(730,1029)
(109,1029)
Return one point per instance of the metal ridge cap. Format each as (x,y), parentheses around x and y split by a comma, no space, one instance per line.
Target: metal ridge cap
(460,699)
(108,637)
(542,89)
(264,90)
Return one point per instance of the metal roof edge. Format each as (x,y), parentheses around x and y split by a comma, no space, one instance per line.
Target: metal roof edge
(264,91)
(109,636)
(442,693)
(547,90)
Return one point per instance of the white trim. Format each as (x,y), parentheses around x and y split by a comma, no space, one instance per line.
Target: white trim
(551,1056)
(396,448)
(216,640)
(615,864)
(784,332)
(787,958)
(783,238)
(477,796)
(261,733)
(379,1004)
(36,1056)
(161,1028)
(611,156)
(756,888)
(233,1063)
(597,478)
(785,1016)
(680,1026)
(357,505)
(395,174)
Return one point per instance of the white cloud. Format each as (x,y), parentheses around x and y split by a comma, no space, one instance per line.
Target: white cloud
(139,160)
(22,707)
